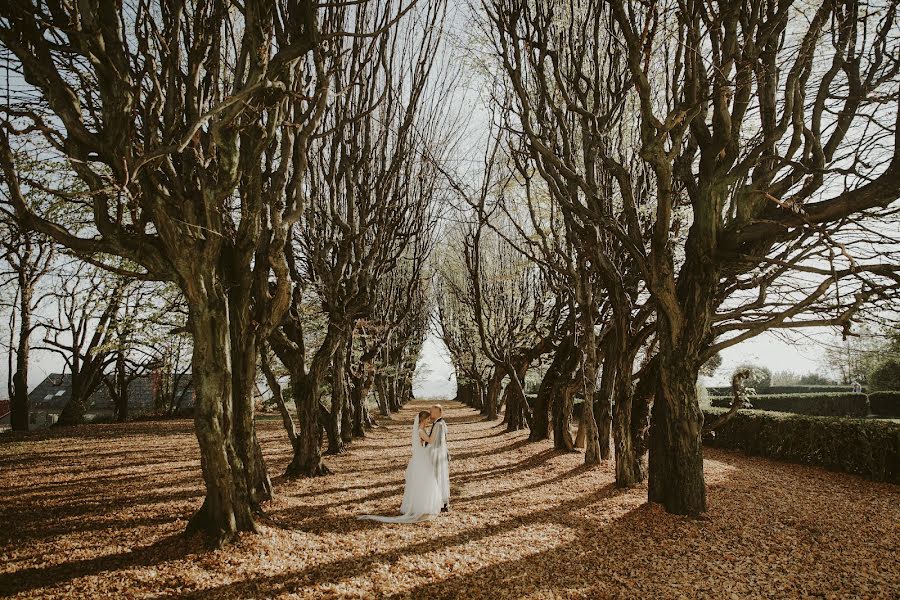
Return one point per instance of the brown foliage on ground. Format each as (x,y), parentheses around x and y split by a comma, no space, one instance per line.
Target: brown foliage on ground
(98,511)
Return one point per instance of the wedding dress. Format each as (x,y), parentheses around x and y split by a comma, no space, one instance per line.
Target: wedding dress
(422,494)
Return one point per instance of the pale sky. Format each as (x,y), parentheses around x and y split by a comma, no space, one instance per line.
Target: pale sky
(802,355)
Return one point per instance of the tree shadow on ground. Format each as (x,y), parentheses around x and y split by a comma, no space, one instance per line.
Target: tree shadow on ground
(168,548)
(353,566)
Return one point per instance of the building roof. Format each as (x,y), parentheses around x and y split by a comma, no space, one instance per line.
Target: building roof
(54,392)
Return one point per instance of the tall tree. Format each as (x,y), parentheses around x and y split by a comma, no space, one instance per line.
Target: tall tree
(776,164)
(28,258)
(88,301)
(370,197)
(164,114)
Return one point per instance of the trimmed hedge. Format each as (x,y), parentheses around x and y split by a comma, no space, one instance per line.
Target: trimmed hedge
(787,389)
(885,404)
(869,448)
(825,405)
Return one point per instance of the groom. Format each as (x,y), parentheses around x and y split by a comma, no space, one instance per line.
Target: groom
(440,454)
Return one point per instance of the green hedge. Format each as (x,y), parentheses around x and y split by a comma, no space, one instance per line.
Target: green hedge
(885,404)
(787,389)
(864,447)
(826,405)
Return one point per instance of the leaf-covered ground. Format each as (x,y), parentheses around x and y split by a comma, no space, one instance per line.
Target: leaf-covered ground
(98,512)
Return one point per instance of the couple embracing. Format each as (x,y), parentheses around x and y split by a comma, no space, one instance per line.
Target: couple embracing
(427,489)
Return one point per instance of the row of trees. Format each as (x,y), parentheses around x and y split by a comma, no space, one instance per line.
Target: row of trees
(666,180)
(105,329)
(274,162)
(663,180)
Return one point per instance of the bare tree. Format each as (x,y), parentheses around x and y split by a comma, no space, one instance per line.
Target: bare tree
(563,108)
(82,331)
(164,115)
(29,259)
(776,165)
(370,192)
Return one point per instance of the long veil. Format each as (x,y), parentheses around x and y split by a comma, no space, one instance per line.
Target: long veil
(414,435)
(405,518)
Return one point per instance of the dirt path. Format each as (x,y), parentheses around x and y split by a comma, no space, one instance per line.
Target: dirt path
(98,511)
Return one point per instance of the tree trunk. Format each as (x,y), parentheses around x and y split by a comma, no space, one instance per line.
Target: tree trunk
(477,396)
(562,402)
(381,395)
(492,396)
(516,405)
(359,392)
(676,454)
(540,423)
(347,416)
(561,409)
(18,402)
(278,395)
(603,398)
(307,460)
(332,421)
(394,395)
(603,418)
(463,394)
(224,427)
(589,366)
(629,434)
(580,433)
(244,363)
(74,410)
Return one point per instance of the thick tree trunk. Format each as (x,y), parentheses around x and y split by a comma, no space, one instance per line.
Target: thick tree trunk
(120,396)
(516,405)
(359,392)
(390,389)
(493,395)
(224,430)
(630,468)
(307,460)
(561,410)
(332,422)
(477,396)
(336,415)
(580,434)
(244,363)
(603,418)
(463,394)
(588,346)
(381,395)
(73,412)
(540,424)
(603,399)
(562,394)
(676,454)
(18,402)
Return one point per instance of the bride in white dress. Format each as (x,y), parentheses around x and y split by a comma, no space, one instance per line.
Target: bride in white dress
(422,494)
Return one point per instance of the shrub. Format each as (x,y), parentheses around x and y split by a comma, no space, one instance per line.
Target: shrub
(869,448)
(760,377)
(815,379)
(885,376)
(885,404)
(828,405)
